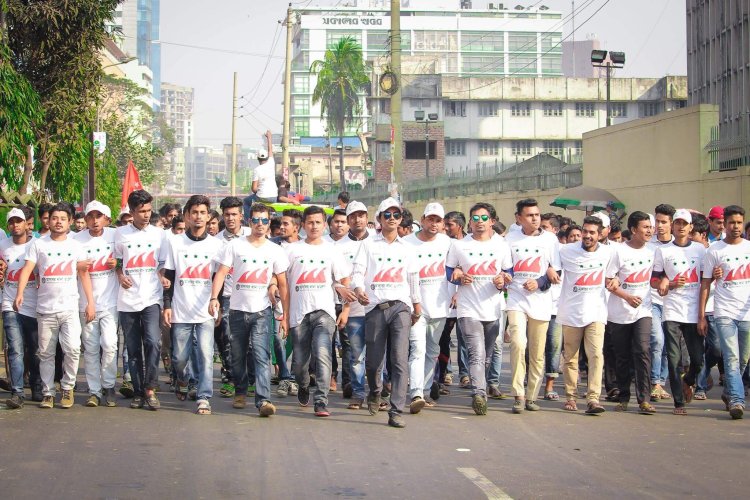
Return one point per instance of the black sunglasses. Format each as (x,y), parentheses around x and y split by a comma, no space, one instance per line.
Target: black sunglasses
(263,220)
(389,215)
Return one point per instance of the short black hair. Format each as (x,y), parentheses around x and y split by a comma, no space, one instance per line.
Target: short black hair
(499,227)
(553,219)
(407,219)
(312,210)
(78,216)
(664,209)
(294,214)
(214,214)
(259,208)
(567,221)
(195,200)
(343,196)
(230,202)
(61,207)
(637,217)
(177,219)
(457,217)
(44,208)
(614,225)
(138,198)
(572,227)
(700,223)
(596,221)
(731,210)
(168,207)
(626,234)
(482,205)
(526,202)
(154,218)
(274,224)
(27,212)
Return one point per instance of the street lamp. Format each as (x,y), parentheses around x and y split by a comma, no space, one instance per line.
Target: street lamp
(599,60)
(419,115)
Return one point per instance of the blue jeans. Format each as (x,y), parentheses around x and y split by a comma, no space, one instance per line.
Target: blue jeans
(22,336)
(496,364)
(143,341)
(355,328)
(712,355)
(184,337)
(552,349)
(735,348)
(480,339)
(312,340)
(279,350)
(659,367)
(463,353)
(251,331)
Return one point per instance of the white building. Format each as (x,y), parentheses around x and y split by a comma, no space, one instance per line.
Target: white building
(205,170)
(177,111)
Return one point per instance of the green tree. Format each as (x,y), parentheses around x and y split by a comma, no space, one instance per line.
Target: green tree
(342,77)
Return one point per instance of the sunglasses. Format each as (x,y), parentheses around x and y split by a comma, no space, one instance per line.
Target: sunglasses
(256,220)
(477,218)
(390,215)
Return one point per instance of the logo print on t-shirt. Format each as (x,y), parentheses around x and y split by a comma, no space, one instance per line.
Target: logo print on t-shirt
(531,265)
(487,268)
(14,275)
(64,268)
(740,273)
(590,279)
(690,276)
(312,276)
(142,260)
(202,272)
(259,276)
(390,275)
(637,279)
(436,270)
(100,265)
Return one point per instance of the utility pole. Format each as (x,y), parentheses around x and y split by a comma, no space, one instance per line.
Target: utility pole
(233,166)
(398,144)
(287,94)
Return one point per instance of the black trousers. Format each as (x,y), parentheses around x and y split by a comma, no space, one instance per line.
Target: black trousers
(632,349)
(688,332)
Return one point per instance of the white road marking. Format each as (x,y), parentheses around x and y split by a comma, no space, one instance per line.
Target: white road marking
(463,450)
(484,484)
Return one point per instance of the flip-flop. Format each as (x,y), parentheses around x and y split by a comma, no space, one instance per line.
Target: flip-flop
(552,396)
(204,408)
(682,411)
(570,405)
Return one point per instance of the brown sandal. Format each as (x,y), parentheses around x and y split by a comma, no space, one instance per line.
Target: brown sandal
(570,405)
(355,405)
(682,411)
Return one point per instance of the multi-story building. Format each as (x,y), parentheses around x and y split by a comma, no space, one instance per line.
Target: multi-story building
(576,60)
(448,37)
(498,122)
(718,62)
(206,170)
(177,112)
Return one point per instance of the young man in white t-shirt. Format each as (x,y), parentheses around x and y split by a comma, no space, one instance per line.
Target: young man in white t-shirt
(264,188)
(431,246)
(536,264)
(677,268)
(99,336)
(189,267)
(659,365)
(728,262)
(254,261)
(582,312)
(20,326)
(629,308)
(56,256)
(484,257)
(314,267)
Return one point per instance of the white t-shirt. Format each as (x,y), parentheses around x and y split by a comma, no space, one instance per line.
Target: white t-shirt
(312,271)
(194,265)
(582,297)
(15,258)
(654,244)
(681,304)
(633,268)
(382,269)
(483,260)
(265,174)
(104,284)
(732,295)
(58,276)
(222,236)
(349,248)
(433,285)
(142,252)
(252,268)
(532,256)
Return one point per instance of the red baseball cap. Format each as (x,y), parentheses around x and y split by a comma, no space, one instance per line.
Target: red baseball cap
(716,212)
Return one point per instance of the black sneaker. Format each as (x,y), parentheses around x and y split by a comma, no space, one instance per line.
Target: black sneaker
(303,396)
(321,410)
(15,402)
(136,403)
(5,385)
(396,420)
(373,404)
(435,391)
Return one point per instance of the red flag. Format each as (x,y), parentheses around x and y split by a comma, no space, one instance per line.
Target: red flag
(132,183)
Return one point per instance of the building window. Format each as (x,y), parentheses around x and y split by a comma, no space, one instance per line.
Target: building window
(551,42)
(482,41)
(454,108)
(552,64)
(585,109)
(419,103)
(379,41)
(482,64)
(455,148)
(649,108)
(489,148)
(520,109)
(384,151)
(578,147)
(522,42)
(489,108)
(553,109)
(432,41)
(301,84)
(618,109)
(520,148)
(385,106)
(554,148)
(300,106)
(415,150)
(301,127)
(334,36)
(522,64)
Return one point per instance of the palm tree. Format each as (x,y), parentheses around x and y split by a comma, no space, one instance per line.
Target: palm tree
(342,75)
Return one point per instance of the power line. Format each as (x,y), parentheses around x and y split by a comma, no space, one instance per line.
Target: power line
(216,49)
(277,34)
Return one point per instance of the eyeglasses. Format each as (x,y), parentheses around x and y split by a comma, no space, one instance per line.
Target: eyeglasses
(477,218)
(394,215)
(256,220)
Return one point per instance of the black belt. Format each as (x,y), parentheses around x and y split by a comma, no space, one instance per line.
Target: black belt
(388,304)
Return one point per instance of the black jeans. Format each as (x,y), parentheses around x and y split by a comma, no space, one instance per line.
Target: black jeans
(632,347)
(610,361)
(688,332)
(143,340)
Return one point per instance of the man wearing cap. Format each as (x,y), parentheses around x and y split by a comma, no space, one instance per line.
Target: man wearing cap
(676,276)
(386,282)
(716,224)
(264,188)
(20,327)
(431,247)
(99,337)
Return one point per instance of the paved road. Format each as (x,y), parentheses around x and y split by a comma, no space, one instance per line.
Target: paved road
(446,452)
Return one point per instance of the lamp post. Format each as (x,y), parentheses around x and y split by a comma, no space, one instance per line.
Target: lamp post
(599,59)
(419,115)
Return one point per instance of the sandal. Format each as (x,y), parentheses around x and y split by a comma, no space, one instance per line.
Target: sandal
(570,405)
(682,411)
(384,406)
(204,408)
(646,409)
(551,396)
(181,391)
(356,404)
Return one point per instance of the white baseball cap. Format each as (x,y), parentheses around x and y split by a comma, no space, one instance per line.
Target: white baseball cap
(262,154)
(386,204)
(434,209)
(684,214)
(15,212)
(603,217)
(98,206)
(355,206)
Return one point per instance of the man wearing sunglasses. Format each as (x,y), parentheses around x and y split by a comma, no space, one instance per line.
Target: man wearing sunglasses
(482,257)
(386,282)
(254,262)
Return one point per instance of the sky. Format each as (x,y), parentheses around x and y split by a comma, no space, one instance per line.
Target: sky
(204,43)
